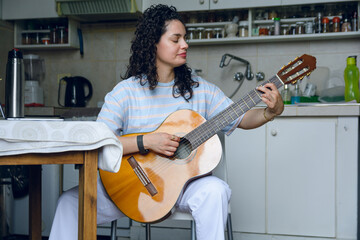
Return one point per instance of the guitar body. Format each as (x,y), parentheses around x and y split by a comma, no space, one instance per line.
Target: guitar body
(168,176)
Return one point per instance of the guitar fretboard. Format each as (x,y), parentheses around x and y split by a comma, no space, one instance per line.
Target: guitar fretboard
(209,128)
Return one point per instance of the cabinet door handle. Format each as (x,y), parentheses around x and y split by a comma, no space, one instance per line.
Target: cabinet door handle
(273,132)
(201,1)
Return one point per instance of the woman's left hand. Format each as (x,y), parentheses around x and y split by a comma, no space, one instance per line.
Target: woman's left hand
(272,98)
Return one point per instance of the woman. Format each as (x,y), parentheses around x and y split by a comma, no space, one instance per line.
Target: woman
(157,83)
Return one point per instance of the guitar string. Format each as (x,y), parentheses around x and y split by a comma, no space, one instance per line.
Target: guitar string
(234,111)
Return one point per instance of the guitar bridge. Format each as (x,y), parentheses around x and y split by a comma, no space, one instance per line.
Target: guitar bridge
(142,176)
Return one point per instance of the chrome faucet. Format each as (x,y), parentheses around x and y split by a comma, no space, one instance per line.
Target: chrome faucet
(248,74)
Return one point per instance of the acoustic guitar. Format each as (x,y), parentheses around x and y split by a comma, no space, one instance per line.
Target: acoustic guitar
(147,187)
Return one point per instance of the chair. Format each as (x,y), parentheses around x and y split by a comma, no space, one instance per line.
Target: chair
(220,172)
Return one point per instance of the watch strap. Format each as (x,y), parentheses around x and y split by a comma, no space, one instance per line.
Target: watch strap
(140,144)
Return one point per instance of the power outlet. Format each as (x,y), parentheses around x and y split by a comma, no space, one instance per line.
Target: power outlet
(62,75)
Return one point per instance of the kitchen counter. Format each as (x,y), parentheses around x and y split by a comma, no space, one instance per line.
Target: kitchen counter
(321,110)
(297,110)
(62,112)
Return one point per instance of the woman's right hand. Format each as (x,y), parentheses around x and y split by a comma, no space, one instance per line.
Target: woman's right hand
(161,143)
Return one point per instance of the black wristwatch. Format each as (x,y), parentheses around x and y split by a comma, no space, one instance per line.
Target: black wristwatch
(140,144)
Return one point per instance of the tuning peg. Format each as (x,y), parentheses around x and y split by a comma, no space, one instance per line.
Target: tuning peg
(293,82)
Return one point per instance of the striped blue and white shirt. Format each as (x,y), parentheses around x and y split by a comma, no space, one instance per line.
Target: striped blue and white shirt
(133,108)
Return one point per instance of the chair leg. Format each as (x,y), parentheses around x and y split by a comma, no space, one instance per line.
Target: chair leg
(148,232)
(229,227)
(113,230)
(193,230)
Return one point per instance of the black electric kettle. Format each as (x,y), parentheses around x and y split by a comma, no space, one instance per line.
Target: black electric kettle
(75,91)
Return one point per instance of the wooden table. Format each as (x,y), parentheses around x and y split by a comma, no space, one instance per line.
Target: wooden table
(87,187)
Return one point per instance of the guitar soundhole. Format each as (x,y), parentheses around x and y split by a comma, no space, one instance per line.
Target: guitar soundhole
(184,150)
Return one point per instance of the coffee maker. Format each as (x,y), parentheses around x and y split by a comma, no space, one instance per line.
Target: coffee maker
(34,74)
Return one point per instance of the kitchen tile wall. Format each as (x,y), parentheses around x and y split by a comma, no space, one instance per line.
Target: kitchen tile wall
(106,53)
(6,43)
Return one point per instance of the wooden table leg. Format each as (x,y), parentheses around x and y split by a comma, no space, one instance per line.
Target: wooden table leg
(35,202)
(87,196)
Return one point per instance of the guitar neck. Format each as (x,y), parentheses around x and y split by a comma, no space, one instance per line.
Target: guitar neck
(209,128)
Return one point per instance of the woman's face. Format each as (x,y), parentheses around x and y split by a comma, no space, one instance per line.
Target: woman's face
(172,47)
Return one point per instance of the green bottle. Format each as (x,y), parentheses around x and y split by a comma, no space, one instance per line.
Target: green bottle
(351,77)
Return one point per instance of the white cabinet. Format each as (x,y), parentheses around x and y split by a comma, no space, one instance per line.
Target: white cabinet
(43,29)
(301,177)
(295,176)
(227,4)
(184,5)
(294,2)
(28,9)
(200,5)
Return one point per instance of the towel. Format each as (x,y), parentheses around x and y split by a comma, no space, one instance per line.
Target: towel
(52,136)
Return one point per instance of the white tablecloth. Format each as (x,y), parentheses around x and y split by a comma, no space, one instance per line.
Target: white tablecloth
(51,136)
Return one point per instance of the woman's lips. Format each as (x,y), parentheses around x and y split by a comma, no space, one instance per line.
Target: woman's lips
(182,55)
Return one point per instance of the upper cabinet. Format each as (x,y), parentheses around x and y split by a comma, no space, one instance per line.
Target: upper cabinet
(229,4)
(26,9)
(184,5)
(199,5)
(296,2)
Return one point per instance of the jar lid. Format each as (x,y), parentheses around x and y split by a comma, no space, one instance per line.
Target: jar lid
(299,23)
(208,29)
(336,19)
(284,25)
(243,23)
(325,20)
(217,29)
(190,29)
(200,28)
(277,19)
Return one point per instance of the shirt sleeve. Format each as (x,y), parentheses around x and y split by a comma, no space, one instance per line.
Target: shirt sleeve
(218,101)
(112,113)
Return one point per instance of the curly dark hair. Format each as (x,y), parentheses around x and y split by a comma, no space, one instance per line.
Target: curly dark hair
(150,27)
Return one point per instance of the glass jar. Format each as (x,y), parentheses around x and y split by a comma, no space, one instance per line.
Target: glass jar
(200,32)
(325,25)
(54,35)
(208,32)
(263,31)
(309,27)
(26,39)
(336,24)
(191,33)
(346,26)
(292,29)
(63,35)
(243,29)
(300,29)
(285,29)
(218,33)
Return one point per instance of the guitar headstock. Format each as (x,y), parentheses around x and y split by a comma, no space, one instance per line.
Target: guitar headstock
(297,69)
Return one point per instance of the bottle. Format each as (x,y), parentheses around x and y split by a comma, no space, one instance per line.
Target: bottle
(346,26)
(351,77)
(286,94)
(336,24)
(276,26)
(295,98)
(14,85)
(318,25)
(354,21)
(325,26)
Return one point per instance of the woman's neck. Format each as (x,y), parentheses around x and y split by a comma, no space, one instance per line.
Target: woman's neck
(165,75)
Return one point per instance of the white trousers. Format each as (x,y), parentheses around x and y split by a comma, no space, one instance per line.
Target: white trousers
(206,198)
